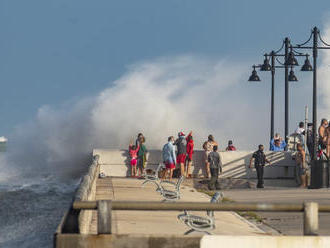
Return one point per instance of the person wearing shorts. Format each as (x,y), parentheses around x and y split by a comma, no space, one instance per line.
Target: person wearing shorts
(133,150)
(141,156)
(301,165)
(181,152)
(208,148)
(169,157)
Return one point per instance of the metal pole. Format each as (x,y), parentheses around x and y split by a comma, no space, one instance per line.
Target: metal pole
(306,127)
(272,96)
(315,143)
(104,217)
(286,80)
(311,218)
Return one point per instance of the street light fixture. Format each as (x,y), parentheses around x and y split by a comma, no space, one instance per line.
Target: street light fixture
(267,66)
(315,34)
(254,76)
(307,65)
(292,77)
(291,60)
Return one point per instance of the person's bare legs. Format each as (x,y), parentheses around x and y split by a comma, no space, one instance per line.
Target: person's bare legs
(171,174)
(303,181)
(207,168)
(134,171)
(182,169)
(188,168)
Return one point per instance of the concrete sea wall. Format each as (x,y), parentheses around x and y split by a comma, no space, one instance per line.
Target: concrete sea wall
(235,163)
(86,192)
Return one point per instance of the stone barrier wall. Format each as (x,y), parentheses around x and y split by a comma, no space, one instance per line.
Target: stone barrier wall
(235,163)
(86,192)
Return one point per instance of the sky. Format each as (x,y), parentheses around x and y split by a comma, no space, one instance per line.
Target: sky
(53,52)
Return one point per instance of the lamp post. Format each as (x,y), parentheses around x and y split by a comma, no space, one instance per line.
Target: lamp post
(315,34)
(288,78)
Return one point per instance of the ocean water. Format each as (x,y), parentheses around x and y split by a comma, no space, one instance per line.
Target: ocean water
(30,213)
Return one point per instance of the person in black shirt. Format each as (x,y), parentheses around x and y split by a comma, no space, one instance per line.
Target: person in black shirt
(259,163)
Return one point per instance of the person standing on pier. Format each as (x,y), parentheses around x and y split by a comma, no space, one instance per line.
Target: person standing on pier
(142,156)
(181,152)
(322,128)
(230,146)
(327,140)
(169,157)
(133,150)
(301,165)
(260,160)
(215,168)
(190,152)
(208,148)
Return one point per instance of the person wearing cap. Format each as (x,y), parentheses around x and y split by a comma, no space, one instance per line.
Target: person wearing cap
(230,146)
(208,148)
(181,152)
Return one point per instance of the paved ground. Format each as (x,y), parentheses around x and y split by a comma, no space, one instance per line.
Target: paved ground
(286,223)
(146,222)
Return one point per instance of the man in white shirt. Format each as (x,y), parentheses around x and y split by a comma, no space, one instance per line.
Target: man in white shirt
(300,131)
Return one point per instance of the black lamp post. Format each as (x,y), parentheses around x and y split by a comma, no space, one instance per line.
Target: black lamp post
(266,66)
(315,34)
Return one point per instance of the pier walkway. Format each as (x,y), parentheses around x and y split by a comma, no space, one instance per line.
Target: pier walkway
(160,222)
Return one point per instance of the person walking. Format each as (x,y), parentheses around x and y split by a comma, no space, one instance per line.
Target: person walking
(169,158)
(230,146)
(142,156)
(208,148)
(215,168)
(260,160)
(181,152)
(190,152)
(301,165)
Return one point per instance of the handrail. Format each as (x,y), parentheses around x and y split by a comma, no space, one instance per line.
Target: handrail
(105,207)
(197,206)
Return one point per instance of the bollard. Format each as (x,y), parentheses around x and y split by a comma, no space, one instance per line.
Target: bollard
(104,217)
(311,218)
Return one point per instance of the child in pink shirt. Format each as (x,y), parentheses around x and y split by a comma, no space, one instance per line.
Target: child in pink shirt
(133,150)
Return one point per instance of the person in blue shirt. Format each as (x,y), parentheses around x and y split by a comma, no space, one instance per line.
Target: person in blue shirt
(277,145)
(169,156)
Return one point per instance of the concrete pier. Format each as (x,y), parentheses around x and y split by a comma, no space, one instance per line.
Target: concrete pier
(80,228)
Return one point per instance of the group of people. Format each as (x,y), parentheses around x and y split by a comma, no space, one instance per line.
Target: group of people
(138,155)
(178,153)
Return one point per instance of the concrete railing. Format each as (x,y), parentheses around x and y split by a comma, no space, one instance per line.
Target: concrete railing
(86,192)
(104,208)
(235,164)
